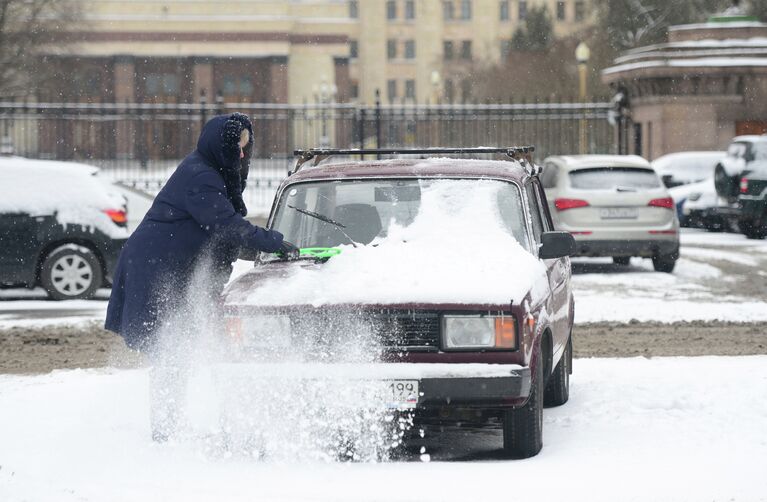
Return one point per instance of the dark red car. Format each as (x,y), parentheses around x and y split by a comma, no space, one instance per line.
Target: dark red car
(442,277)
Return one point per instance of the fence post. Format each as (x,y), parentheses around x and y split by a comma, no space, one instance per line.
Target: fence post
(219,104)
(361,113)
(378,121)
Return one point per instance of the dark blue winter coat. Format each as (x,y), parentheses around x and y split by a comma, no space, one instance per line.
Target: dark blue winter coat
(199,212)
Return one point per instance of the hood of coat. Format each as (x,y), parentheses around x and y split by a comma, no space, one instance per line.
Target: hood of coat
(219,145)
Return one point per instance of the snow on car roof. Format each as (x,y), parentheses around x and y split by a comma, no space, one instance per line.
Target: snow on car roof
(67,190)
(581,161)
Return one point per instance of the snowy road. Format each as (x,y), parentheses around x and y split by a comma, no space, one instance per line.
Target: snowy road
(634,429)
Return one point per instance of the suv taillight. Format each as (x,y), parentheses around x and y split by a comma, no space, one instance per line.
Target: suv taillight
(666,202)
(564,204)
(118,216)
(744,185)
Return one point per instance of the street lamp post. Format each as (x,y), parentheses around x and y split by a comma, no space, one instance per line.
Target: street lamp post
(582,54)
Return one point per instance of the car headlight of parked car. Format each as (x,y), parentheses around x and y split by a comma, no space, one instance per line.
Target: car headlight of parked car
(478,332)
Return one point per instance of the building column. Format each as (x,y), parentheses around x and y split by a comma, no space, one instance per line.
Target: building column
(202,79)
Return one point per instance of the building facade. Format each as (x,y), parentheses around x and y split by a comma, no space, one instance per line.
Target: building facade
(707,84)
(297,51)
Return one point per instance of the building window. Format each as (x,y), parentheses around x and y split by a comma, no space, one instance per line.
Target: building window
(504,10)
(522,9)
(465,90)
(447,10)
(391,48)
(353,49)
(465,9)
(410,89)
(449,90)
(505,48)
(561,6)
(466,49)
(354,90)
(168,84)
(391,9)
(410,9)
(580,11)
(447,49)
(391,90)
(354,12)
(409,49)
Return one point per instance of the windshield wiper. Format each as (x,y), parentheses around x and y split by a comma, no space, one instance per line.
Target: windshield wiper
(324,218)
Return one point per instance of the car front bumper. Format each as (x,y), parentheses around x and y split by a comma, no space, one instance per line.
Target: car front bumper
(439,384)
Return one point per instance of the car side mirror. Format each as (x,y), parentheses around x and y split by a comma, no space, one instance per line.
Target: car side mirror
(556,245)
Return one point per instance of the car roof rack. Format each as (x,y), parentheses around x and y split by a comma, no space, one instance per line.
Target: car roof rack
(519,153)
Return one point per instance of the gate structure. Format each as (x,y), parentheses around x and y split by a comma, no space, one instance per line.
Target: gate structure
(140,144)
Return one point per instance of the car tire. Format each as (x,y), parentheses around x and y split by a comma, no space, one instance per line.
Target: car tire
(558,387)
(622,260)
(523,427)
(726,186)
(753,229)
(664,263)
(71,272)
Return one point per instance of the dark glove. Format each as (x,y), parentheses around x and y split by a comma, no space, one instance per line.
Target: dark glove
(289,250)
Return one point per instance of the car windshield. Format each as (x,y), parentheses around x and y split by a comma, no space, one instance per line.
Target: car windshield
(360,212)
(611,178)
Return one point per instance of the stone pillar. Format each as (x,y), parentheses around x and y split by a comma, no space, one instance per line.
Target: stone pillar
(125,92)
(202,79)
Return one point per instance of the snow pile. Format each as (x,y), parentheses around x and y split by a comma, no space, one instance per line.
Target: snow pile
(68,191)
(633,430)
(457,251)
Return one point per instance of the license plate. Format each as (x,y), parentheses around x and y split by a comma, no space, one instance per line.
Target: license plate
(618,213)
(402,394)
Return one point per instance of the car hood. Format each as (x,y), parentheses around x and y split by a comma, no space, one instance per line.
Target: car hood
(374,276)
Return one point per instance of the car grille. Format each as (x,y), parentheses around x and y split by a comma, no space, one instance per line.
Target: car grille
(406,330)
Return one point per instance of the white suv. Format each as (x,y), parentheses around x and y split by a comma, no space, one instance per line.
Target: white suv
(614,205)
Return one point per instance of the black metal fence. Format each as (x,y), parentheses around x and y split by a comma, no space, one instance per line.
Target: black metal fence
(141,143)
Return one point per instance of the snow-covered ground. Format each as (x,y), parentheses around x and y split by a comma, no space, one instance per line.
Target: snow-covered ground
(634,429)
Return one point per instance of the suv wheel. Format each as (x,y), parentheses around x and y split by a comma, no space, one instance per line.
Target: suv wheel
(754,229)
(621,260)
(558,387)
(664,263)
(71,272)
(523,427)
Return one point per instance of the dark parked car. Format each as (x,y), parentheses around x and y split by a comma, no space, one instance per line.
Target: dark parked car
(743,201)
(452,267)
(60,227)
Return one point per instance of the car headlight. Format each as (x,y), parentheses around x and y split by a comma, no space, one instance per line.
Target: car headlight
(263,331)
(479,332)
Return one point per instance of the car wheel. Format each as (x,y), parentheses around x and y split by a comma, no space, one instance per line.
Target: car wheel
(664,263)
(558,387)
(753,229)
(71,272)
(621,260)
(523,427)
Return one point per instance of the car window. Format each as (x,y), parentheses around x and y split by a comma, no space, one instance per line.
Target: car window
(548,225)
(609,178)
(736,150)
(333,213)
(760,151)
(549,175)
(535,212)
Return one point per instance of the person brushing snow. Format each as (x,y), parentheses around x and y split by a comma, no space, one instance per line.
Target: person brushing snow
(193,232)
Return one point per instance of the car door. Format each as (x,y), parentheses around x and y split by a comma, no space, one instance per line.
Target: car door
(18,248)
(558,269)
